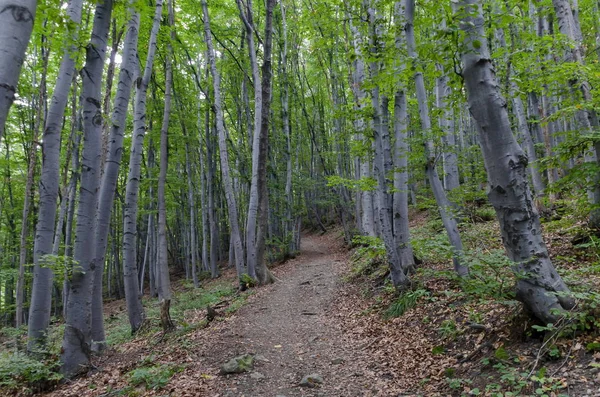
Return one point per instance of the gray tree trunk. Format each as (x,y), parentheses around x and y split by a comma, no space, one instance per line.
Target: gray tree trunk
(451,175)
(263,274)
(364,171)
(382,154)
(41,299)
(77,340)
(401,150)
(253,202)
(29,189)
(135,309)
(444,205)
(16,24)
(164,284)
(568,23)
(507,174)
(225,172)
(191,205)
(112,165)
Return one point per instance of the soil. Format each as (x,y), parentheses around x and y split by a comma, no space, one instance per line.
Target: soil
(290,326)
(313,321)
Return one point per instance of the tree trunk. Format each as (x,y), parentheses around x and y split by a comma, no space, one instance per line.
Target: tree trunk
(41,299)
(401,150)
(77,340)
(164,285)
(509,190)
(225,171)
(568,23)
(135,309)
(262,272)
(112,165)
(382,154)
(445,206)
(16,24)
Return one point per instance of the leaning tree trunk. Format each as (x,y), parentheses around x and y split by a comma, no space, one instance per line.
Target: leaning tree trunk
(41,299)
(135,309)
(108,186)
(77,340)
(445,206)
(225,171)
(506,165)
(16,24)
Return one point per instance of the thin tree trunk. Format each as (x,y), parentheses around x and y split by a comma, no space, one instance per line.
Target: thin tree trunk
(509,191)
(382,155)
(445,206)
(253,203)
(262,272)
(164,286)
(225,171)
(108,185)
(135,309)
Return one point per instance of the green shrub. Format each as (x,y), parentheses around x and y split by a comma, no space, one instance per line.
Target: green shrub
(405,302)
(18,371)
(153,378)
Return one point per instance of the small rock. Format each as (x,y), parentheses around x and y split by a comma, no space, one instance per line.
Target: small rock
(238,364)
(257,376)
(337,361)
(261,358)
(312,380)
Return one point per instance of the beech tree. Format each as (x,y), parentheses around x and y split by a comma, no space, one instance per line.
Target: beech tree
(16,19)
(509,188)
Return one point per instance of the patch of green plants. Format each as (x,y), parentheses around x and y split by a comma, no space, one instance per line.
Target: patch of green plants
(153,377)
(406,301)
(18,371)
(368,258)
(448,329)
(490,275)
(510,380)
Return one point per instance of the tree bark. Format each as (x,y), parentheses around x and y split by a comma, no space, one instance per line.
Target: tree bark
(112,165)
(506,165)
(444,205)
(77,339)
(16,25)
(41,299)
(135,309)
(225,171)
(164,286)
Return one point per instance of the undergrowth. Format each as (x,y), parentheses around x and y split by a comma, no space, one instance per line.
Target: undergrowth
(26,374)
(483,307)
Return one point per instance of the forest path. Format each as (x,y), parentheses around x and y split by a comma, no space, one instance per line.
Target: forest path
(290,328)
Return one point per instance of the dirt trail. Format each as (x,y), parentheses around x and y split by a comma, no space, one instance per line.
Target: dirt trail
(291,330)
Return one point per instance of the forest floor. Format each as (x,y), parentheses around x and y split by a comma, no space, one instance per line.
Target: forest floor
(291,328)
(333,314)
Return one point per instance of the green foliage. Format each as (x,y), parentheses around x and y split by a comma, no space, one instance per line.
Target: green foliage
(17,370)
(406,301)
(368,258)
(448,329)
(153,377)
(490,275)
